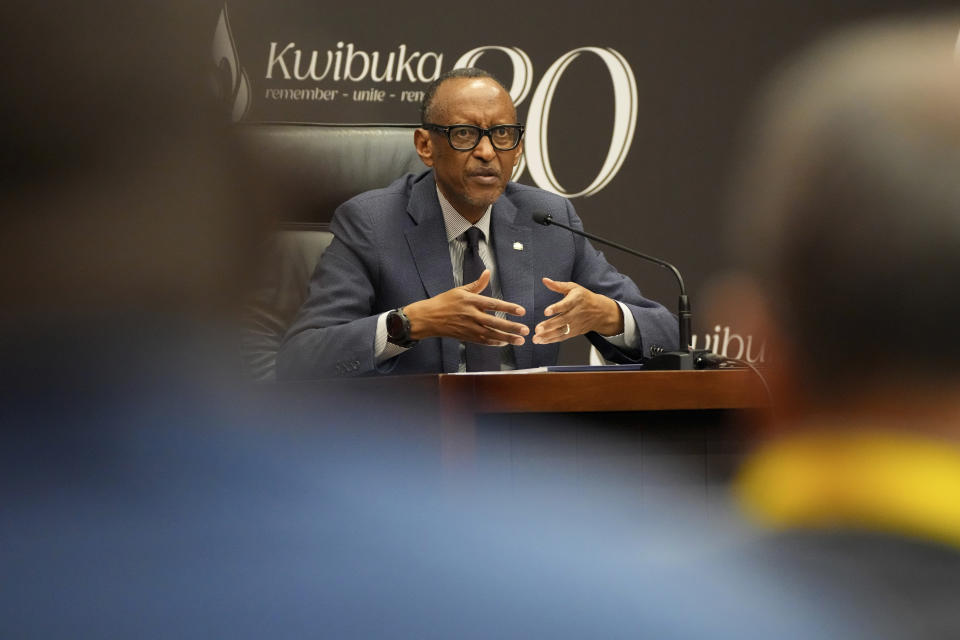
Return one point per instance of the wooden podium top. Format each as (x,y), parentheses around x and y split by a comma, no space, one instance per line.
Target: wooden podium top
(604,391)
(459,399)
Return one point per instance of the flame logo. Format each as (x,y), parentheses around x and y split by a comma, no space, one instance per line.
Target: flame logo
(230,79)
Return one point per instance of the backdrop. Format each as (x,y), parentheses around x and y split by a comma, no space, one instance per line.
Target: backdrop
(632,108)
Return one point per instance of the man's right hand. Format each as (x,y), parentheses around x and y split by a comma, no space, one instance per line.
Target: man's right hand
(462,313)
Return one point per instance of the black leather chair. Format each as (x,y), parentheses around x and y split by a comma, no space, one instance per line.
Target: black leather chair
(314,169)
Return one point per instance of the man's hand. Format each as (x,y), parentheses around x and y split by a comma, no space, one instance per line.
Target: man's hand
(462,313)
(580,311)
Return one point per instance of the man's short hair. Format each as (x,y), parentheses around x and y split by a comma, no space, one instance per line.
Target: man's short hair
(464,72)
(849,205)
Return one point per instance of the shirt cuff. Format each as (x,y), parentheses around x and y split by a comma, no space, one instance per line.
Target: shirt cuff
(625,340)
(383,350)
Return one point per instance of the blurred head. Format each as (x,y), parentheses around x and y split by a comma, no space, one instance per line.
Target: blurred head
(471,179)
(848,209)
(119,188)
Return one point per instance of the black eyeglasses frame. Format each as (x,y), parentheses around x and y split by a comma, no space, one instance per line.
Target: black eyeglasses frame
(445,130)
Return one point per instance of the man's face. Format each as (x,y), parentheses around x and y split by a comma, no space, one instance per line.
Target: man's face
(470,180)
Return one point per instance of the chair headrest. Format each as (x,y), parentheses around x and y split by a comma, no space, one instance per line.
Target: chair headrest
(318,167)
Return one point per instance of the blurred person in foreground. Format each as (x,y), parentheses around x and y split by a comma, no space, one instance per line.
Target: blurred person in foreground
(849,217)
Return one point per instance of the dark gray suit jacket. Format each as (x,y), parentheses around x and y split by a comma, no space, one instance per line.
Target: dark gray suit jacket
(390,249)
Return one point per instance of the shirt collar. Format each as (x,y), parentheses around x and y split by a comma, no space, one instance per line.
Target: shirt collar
(456,224)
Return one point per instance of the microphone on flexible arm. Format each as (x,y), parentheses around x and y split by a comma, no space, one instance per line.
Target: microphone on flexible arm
(684,359)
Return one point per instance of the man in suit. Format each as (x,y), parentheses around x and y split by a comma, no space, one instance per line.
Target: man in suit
(446,271)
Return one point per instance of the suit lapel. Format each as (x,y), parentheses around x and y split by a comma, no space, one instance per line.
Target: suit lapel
(431,253)
(511,244)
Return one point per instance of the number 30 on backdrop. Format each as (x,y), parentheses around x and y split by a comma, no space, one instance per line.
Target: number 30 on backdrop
(536,148)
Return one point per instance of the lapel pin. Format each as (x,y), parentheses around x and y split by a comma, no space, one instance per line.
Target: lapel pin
(518,246)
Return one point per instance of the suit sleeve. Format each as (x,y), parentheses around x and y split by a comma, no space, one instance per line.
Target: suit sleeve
(333,333)
(656,326)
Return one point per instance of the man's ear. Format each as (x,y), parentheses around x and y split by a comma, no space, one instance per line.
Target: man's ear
(516,162)
(424,146)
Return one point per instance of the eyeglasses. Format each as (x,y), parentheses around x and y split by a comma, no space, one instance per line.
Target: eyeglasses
(464,137)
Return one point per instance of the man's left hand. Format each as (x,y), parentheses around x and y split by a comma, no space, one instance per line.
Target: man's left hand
(580,311)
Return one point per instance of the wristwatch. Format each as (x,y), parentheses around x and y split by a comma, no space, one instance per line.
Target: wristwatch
(398,329)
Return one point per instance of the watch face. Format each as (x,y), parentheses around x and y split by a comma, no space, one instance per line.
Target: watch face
(395,325)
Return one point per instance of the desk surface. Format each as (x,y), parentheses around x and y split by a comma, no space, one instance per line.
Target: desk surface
(605,391)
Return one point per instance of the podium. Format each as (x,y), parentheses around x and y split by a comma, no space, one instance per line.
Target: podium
(669,429)
(464,399)
(459,402)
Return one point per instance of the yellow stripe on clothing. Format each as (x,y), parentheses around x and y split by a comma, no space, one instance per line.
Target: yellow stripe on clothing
(893,482)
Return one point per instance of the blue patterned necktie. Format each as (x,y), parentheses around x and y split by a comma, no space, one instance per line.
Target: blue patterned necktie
(479,357)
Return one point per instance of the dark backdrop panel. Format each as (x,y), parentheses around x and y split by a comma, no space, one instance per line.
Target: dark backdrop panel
(696,65)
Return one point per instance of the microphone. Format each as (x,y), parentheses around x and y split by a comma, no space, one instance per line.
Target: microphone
(685,358)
